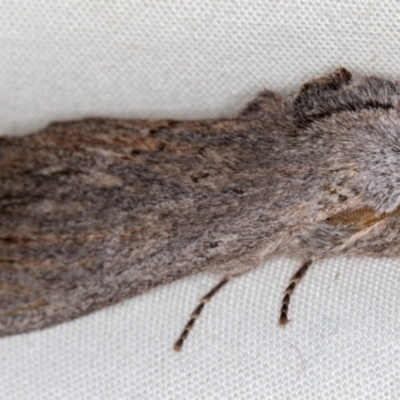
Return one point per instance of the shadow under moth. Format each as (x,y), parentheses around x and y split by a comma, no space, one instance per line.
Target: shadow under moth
(96,211)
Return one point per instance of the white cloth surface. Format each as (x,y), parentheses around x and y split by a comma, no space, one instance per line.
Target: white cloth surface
(202,59)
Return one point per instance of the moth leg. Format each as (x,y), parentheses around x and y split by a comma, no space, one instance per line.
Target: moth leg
(196,313)
(294,281)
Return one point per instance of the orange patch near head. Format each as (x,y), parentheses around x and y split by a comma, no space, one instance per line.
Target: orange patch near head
(363,217)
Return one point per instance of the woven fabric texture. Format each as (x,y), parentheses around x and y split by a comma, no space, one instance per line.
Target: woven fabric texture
(202,59)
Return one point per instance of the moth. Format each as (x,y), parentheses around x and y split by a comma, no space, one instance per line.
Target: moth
(99,210)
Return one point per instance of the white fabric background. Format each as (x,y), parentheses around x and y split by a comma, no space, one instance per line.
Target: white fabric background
(200,59)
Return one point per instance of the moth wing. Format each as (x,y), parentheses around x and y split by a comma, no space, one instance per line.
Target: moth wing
(96,211)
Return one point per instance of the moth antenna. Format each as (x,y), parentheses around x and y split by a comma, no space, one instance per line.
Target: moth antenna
(196,313)
(294,281)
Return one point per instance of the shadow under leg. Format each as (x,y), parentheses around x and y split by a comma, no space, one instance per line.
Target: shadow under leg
(196,313)
(294,281)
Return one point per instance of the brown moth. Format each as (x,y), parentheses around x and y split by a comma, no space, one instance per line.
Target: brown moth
(95,211)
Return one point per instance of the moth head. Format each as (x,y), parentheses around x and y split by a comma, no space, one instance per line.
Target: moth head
(355,121)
